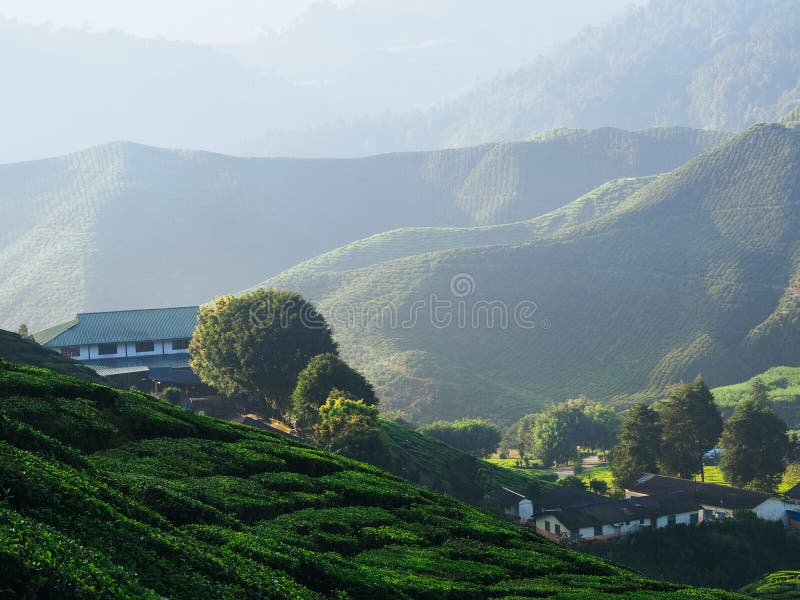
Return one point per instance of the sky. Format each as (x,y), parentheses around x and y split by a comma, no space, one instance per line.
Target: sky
(208,22)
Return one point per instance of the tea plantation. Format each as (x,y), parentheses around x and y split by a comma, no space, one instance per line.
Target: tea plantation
(105,493)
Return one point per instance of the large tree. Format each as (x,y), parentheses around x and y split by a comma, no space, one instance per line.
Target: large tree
(322,374)
(754,442)
(691,425)
(258,343)
(638,444)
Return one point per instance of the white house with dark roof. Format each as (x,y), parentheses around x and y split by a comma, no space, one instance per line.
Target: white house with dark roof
(131,346)
(718,501)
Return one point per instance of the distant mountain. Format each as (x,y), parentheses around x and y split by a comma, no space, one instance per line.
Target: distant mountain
(716,64)
(697,271)
(128,226)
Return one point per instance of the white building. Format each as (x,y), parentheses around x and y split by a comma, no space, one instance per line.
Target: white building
(614,518)
(146,348)
(514,504)
(717,501)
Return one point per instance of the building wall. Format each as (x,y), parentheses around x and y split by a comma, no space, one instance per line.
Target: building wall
(680,519)
(525,510)
(773,509)
(129,349)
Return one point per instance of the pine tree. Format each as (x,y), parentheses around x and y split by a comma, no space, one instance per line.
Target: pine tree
(638,444)
(754,442)
(691,425)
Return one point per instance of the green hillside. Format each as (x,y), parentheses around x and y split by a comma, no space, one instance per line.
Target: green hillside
(117,495)
(783,388)
(718,64)
(201,224)
(21,351)
(696,272)
(783,585)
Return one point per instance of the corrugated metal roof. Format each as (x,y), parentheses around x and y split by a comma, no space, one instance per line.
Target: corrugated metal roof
(105,371)
(45,335)
(127,326)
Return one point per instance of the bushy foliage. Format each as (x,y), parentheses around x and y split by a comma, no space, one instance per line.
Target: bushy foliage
(725,554)
(151,501)
(474,436)
(172,394)
(352,427)
(691,424)
(554,435)
(322,374)
(782,585)
(754,443)
(258,343)
(638,445)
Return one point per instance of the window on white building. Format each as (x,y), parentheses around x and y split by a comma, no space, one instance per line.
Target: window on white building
(105,349)
(547,525)
(558,529)
(71,351)
(598,530)
(145,347)
(672,519)
(180,344)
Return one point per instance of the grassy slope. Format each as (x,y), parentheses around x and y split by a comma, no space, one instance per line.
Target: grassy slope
(249,218)
(15,349)
(115,494)
(782,585)
(427,461)
(783,385)
(697,271)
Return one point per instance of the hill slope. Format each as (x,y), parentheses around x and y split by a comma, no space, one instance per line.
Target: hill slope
(114,494)
(719,64)
(20,351)
(783,388)
(697,271)
(122,225)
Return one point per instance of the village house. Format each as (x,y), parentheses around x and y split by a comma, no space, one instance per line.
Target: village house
(148,348)
(717,501)
(606,518)
(514,504)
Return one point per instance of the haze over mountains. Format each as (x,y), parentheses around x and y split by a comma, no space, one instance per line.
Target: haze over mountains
(695,271)
(343,82)
(123,225)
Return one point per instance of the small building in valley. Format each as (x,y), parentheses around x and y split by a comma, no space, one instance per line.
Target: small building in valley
(147,348)
(718,501)
(606,518)
(514,504)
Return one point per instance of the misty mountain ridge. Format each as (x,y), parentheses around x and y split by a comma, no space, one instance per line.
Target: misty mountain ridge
(124,225)
(696,271)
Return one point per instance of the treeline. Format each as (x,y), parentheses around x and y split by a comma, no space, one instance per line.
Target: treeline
(672,436)
(555,435)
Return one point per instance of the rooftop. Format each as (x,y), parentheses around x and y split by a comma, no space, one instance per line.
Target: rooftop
(705,493)
(621,511)
(122,326)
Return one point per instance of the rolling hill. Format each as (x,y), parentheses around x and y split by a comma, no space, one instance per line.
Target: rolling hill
(783,388)
(114,494)
(717,64)
(122,225)
(695,272)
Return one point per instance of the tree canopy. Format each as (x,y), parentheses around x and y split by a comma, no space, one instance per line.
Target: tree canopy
(322,374)
(351,427)
(691,425)
(258,343)
(474,436)
(639,444)
(754,442)
(554,435)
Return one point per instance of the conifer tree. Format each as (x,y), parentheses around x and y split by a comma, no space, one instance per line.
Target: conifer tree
(754,442)
(638,444)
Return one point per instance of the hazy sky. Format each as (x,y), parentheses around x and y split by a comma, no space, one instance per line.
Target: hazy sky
(203,21)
